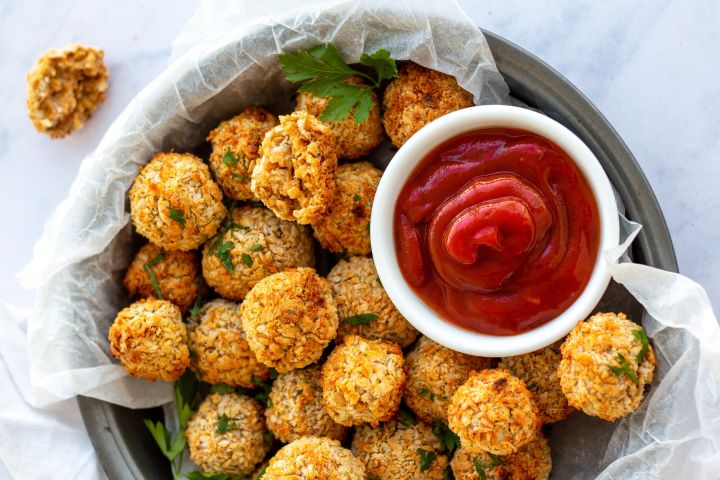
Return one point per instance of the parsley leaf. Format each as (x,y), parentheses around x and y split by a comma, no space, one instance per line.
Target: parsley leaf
(448,475)
(247,260)
(151,275)
(406,417)
(222,253)
(225,424)
(178,216)
(230,159)
(426,458)
(447,438)
(480,469)
(264,395)
(256,248)
(640,335)
(356,197)
(624,369)
(382,63)
(239,176)
(361,319)
(222,389)
(424,392)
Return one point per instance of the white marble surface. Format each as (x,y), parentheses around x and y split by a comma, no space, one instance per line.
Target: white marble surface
(651,67)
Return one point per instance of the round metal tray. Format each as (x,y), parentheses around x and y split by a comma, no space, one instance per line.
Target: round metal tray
(125,447)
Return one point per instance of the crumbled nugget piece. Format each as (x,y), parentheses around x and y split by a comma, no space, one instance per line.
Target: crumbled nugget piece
(65,87)
(346,225)
(150,341)
(417,97)
(390,451)
(314,458)
(255,244)
(289,318)
(357,291)
(174,202)
(176,275)
(353,140)
(493,412)
(606,363)
(221,352)
(295,177)
(434,374)
(362,381)
(236,148)
(296,408)
(227,434)
(539,372)
(532,461)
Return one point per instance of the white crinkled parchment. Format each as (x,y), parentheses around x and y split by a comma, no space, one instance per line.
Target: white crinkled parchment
(225,59)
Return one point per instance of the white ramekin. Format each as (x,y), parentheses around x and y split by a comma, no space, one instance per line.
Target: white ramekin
(403,165)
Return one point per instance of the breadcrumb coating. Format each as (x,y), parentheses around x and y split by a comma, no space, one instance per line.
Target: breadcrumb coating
(532,461)
(357,290)
(289,318)
(434,373)
(493,412)
(296,408)
(174,202)
(255,245)
(150,341)
(362,381)
(177,274)
(64,88)
(590,353)
(241,136)
(221,352)
(539,372)
(417,97)
(353,140)
(295,177)
(346,225)
(390,451)
(314,458)
(238,447)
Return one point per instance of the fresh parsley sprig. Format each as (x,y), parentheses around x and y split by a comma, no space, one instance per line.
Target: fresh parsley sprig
(640,335)
(624,369)
(151,275)
(323,72)
(361,319)
(426,458)
(449,441)
(495,461)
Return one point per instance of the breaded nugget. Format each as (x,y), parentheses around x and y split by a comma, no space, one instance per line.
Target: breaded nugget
(606,363)
(296,409)
(221,353)
(150,341)
(254,244)
(434,374)
(345,227)
(362,381)
(65,87)
(417,97)
(493,412)
(353,140)
(174,202)
(227,434)
(289,318)
(236,148)
(532,461)
(176,275)
(314,458)
(295,178)
(390,451)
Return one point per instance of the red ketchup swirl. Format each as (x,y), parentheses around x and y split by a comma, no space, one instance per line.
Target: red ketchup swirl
(497,231)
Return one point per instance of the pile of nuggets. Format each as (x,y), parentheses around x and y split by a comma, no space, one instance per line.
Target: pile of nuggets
(336,357)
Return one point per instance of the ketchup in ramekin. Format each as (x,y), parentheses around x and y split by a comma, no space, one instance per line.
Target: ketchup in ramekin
(497,230)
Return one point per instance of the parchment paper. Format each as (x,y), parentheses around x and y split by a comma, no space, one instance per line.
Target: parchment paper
(226,60)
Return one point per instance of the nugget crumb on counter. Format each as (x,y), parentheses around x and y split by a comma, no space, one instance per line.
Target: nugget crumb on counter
(295,177)
(236,149)
(65,87)
(175,203)
(417,97)
(345,227)
(150,341)
(606,363)
(221,354)
(353,140)
(363,380)
(254,244)
(289,318)
(314,458)
(494,412)
(532,461)
(227,435)
(434,374)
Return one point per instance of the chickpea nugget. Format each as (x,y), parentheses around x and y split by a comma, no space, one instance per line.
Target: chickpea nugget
(532,461)
(64,89)
(314,458)
(295,178)
(606,363)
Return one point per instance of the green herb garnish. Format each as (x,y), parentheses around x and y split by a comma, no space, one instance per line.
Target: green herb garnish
(222,389)
(447,438)
(356,198)
(247,260)
(323,72)
(223,254)
(448,475)
(406,417)
(224,425)
(624,369)
(532,386)
(265,388)
(212,476)
(239,176)
(377,279)
(426,458)
(256,248)
(178,216)
(153,279)
(640,335)
(361,319)
(230,159)
(495,461)
(424,392)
